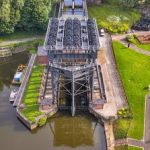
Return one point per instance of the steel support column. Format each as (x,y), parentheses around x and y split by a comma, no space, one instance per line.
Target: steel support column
(73,96)
(92,86)
(53,85)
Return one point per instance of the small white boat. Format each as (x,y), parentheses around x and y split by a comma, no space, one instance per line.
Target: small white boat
(13,95)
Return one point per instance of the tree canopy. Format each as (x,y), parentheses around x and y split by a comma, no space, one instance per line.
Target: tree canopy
(28,15)
(9,14)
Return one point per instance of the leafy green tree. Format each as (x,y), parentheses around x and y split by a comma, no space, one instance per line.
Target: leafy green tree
(124,3)
(35,15)
(147,1)
(5,17)
(9,15)
(131,3)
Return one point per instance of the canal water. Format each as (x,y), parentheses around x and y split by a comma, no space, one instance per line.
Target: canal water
(62,132)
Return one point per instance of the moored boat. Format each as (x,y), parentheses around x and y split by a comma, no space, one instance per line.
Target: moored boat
(13,95)
(19,75)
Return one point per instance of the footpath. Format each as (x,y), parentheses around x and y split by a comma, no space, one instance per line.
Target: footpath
(22,88)
(121,39)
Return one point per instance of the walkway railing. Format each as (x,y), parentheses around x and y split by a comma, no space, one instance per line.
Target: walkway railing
(22,88)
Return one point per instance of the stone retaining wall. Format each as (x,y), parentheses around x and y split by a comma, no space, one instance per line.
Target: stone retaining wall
(28,123)
(5,52)
(25,121)
(110,140)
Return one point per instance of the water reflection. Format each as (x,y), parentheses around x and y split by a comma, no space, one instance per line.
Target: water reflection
(8,67)
(76,132)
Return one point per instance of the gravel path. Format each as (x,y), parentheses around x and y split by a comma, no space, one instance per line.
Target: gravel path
(147,123)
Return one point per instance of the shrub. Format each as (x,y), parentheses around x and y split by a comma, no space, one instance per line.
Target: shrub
(114,18)
(132,39)
(120,128)
(42,121)
(124,113)
(115,27)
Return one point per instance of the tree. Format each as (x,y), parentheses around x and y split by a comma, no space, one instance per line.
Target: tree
(9,15)
(130,3)
(5,17)
(35,15)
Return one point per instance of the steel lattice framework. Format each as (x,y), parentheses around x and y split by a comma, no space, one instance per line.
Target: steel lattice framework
(72,44)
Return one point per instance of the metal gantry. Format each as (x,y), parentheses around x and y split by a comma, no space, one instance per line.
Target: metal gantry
(72,44)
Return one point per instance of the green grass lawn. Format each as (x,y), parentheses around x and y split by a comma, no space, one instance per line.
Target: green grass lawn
(133,39)
(144,46)
(125,147)
(134,148)
(134,69)
(113,17)
(32,93)
(20,35)
(30,46)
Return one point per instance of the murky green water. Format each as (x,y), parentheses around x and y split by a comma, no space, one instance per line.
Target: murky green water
(62,132)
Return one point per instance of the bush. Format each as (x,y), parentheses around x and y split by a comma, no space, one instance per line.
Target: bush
(42,121)
(115,27)
(132,39)
(124,113)
(120,128)
(114,18)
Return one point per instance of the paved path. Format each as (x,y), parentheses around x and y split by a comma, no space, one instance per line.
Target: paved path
(147,123)
(114,77)
(136,143)
(22,88)
(121,38)
(5,43)
(135,48)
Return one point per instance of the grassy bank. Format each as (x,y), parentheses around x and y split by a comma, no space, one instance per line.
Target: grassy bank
(125,147)
(20,35)
(134,70)
(134,148)
(31,95)
(113,17)
(30,46)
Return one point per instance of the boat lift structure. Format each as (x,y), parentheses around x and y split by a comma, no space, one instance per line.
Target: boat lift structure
(72,45)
